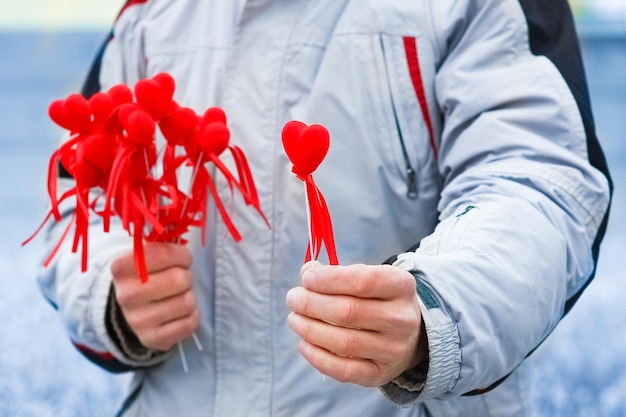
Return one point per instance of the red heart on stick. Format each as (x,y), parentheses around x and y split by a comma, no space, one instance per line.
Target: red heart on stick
(72,113)
(120,94)
(57,114)
(214,138)
(212,115)
(77,110)
(140,128)
(179,125)
(101,106)
(154,95)
(166,84)
(306,146)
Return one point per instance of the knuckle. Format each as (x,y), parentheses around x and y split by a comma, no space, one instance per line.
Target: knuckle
(155,339)
(348,312)
(304,329)
(349,345)
(190,324)
(135,320)
(119,266)
(395,351)
(180,279)
(189,301)
(178,254)
(397,318)
(373,374)
(149,340)
(158,250)
(363,279)
(123,295)
(405,280)
(304,302)
(349,372)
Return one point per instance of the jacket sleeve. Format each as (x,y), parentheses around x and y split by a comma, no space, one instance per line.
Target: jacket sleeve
(526,192)
(85,300)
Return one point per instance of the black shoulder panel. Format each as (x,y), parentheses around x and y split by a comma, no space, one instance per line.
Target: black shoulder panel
(91,85)
(92,82)
(552,34)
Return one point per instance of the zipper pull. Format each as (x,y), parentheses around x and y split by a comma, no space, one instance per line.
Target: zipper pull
(411,183)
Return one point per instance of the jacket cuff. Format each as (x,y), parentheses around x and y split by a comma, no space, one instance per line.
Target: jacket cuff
(414,379)
(124,338)
(443,368)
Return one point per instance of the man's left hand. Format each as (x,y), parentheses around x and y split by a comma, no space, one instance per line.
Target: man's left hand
(359,323)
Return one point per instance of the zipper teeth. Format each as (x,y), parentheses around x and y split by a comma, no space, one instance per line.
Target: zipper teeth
(410,172)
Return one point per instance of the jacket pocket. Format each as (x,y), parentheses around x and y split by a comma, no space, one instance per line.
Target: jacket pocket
(408,92)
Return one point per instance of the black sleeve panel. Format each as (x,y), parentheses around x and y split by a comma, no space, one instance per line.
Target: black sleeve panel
(552,33)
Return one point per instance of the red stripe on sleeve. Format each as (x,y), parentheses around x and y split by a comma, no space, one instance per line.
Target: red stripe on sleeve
(102,355)
(410,48)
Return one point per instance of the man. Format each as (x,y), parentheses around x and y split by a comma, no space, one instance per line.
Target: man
(460,129)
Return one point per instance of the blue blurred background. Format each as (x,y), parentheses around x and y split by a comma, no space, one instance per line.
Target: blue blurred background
(579,371)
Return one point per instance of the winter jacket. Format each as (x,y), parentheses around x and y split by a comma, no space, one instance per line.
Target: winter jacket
(460,129)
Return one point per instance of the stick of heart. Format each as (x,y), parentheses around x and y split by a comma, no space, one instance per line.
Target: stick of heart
(306,147)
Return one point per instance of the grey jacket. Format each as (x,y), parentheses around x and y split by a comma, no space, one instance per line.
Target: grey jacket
(461,125)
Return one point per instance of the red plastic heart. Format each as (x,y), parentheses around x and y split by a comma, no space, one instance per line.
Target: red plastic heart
(57,114)
(178,126)
(166,84)
(140,128)
(76,113)
(152,97)
(212,115)
(120,94)
(101,107)
(214,138)
(124,111)
(99,150)
(306,146)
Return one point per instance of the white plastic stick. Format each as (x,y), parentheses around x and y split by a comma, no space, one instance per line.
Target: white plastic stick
(183,358)
(197,342)
(308,221)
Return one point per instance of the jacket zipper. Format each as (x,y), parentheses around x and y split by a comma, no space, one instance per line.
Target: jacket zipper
(411,176)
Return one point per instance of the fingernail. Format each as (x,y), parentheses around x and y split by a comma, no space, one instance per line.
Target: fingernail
(309,265)
(308,278)
(290,319)
(290,298)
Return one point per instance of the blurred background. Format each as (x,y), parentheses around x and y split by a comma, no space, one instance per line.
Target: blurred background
(46,48)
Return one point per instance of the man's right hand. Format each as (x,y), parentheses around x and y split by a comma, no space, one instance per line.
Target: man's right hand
(163,310)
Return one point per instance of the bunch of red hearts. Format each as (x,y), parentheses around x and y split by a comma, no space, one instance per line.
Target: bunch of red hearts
(112,156)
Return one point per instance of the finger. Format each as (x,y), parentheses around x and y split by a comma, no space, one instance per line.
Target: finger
(345,310)
(160,286)
(347,342)
(170,333)
(343,369)
(364,281)
(308,265)
(159,256)
(158,313)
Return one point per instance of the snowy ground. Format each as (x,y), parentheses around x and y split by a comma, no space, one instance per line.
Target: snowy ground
(579,371)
